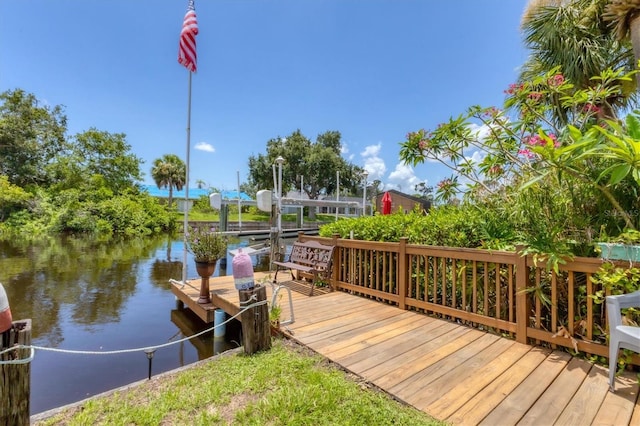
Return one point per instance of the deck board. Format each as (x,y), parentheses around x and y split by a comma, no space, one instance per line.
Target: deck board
(581,410)
(449,403)
(518,402)
(455,377)
(558,395)
(452,372)
(476,408)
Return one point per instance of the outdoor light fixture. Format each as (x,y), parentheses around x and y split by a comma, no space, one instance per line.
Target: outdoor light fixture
(279,162)
(150,353)
(365,174)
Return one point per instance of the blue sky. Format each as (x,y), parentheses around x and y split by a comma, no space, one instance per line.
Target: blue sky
(373,70)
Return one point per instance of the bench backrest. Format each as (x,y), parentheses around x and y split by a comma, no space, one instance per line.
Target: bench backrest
(312,253)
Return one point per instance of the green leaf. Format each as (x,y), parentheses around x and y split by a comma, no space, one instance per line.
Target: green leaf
(574,132)
(633,126)
(618,172)
(533,181)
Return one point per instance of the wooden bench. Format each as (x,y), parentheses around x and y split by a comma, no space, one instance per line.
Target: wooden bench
(310,259)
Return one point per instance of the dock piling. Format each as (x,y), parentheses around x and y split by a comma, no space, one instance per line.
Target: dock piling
(256,332)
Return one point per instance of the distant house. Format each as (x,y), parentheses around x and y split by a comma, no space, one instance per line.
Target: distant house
(194,195)
(403,202)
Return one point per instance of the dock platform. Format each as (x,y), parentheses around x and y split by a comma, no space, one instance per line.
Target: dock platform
(453,372)
(225,296)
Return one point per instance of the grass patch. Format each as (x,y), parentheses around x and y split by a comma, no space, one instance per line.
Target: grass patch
(255,216)
(287,385)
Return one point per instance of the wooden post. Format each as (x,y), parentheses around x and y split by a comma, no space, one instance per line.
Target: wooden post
(522,305)
(15,379)
(256,333)
(403,273)
(335,263)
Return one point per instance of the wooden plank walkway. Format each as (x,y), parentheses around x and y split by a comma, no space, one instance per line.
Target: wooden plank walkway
(455,373)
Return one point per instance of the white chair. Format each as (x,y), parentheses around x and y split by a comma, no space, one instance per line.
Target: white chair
(621,336)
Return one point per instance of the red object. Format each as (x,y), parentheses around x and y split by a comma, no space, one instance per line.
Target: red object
(187,51)
(5,311)
(386,203)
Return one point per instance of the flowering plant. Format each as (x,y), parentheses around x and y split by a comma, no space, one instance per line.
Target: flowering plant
(205,244)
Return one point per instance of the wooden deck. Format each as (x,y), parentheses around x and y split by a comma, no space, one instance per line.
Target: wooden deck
(452,372)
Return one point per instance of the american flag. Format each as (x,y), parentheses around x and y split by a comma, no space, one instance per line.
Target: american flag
(187,51)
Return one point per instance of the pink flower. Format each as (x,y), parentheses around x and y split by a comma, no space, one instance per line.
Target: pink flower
(514,88)
(526,153)
(491,112)
(534,140)
(444,183)
(553,137)
(495,170)
(590,108)
(556,80)
(535,96)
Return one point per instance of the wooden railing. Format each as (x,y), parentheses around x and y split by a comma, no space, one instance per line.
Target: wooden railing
(481,288)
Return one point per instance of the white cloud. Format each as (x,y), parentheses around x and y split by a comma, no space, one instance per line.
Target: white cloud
(373,163)
(480,131)
(203,146)
(344,150)
(477,157)
(403,179)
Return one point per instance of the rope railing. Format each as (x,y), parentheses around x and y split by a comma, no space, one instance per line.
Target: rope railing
(145,349)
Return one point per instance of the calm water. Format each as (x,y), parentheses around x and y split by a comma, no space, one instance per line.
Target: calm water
(85,295)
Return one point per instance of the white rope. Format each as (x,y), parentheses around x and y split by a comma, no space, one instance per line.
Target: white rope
(19,361)
(121,351)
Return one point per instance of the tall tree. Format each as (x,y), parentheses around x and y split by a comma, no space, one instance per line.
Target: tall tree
(318,162)
(98,153)
(31,135)
(573,35)
(625,17)
(169,172)
(424,191)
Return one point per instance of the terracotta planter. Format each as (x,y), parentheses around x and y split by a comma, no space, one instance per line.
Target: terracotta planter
(205,270)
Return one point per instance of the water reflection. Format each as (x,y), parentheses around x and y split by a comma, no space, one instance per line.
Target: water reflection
(88,295)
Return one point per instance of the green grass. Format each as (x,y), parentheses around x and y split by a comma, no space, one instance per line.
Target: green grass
(286,385)
(251,217)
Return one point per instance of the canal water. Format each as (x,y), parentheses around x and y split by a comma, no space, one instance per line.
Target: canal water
(105,296)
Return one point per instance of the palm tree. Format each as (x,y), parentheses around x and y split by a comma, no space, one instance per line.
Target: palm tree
(575,35)
(169,172)
(625,17)
(201,184)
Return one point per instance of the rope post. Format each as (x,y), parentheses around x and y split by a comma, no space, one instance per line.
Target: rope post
(15,379)
(256,331)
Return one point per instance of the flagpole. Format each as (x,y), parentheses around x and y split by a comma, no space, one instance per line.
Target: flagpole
(187,56)
(186,187)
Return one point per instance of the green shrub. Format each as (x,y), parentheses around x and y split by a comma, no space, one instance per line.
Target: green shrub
(443,226)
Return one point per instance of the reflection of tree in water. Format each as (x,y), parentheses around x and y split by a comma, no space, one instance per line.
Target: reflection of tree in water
(165,268)
(91,279)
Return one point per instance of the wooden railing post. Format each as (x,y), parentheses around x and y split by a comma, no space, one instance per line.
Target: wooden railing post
(335,262)
(402,275)
(522,308)
(15,379)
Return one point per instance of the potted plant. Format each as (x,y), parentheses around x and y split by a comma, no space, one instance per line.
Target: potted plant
(207,246)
